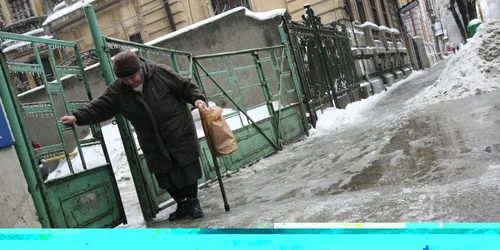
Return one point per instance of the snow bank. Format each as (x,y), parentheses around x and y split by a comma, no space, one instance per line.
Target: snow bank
(474,70)
(332,119)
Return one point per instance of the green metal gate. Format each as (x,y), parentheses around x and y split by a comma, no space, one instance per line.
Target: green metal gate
(259,90)
(87,195)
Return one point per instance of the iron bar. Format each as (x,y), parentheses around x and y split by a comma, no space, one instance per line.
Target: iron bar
(237,106)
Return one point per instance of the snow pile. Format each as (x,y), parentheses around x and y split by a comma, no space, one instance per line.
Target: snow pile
(474,70)
(491,9)
(332,119)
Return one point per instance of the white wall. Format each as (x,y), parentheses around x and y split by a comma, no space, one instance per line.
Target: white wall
(16,206)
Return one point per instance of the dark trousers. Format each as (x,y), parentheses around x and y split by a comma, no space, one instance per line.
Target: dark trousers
(179,194)
(180,182)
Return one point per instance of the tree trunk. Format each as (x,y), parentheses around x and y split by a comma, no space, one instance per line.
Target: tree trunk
(457,20)
(462,7)
(471,7)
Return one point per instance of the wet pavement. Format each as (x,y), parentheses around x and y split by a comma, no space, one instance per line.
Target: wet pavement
(435,163)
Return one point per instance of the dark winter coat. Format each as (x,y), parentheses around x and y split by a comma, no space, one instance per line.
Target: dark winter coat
(163,103)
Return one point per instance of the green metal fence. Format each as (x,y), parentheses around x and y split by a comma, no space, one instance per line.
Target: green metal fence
(87,195)
(257,90)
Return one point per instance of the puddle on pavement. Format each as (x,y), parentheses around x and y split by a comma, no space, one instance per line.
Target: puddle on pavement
(369,176)
(422,141)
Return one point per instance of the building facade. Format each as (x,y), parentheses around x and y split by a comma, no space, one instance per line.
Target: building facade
(23,17)
(145,20)
(419,23)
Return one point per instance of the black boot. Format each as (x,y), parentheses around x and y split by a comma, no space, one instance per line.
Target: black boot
(181,211)
(194,208)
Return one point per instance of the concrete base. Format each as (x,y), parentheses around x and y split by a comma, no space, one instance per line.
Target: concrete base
(406,71)
(377,85)
(366,90)
(389,79)
(343,101)
(399,74)
(356,95)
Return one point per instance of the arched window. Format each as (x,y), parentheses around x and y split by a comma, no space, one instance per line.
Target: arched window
(220,6)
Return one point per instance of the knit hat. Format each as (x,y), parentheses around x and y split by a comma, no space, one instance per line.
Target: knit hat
(126,63)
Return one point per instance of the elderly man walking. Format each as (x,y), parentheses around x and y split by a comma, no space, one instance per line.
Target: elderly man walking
(154,98)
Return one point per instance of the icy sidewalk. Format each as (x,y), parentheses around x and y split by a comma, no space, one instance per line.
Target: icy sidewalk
(382,161)
(398,164)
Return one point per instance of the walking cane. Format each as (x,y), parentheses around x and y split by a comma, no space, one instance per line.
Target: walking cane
(216,164)
(209,140)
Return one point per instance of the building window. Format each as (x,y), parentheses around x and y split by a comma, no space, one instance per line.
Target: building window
(2,17)
(136,38)
(374,11)
(21,9)
(384,12)
(47,69)
(392,13)
(361,11)
(220,6)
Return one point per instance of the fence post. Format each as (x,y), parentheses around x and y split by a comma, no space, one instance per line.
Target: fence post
(293,71)
(322,53)
(123,126)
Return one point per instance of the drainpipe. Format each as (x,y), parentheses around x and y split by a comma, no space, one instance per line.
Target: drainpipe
(413,24)
(169,15)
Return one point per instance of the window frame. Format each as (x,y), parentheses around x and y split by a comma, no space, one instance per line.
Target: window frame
(373,7)
(361,10)
(214,4)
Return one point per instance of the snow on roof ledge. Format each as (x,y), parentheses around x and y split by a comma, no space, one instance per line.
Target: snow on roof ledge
(395,31)
(369,24)
(255,15)
(384,28)
(65,11)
